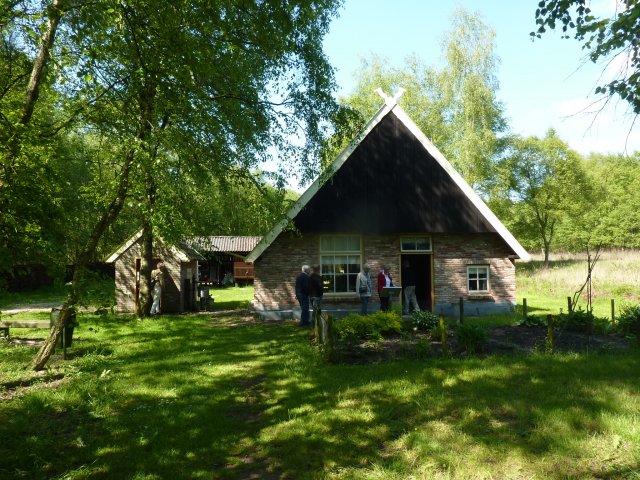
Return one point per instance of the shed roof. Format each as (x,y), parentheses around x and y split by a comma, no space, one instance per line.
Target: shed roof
(229,244)
(432,196)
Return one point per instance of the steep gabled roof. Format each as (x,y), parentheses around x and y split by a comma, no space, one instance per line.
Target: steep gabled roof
(482,215)
(183,253)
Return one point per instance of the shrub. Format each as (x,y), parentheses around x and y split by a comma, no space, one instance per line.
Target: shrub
(423,320)
(629,320)
(471,338)
(584,322)
(359,327)
(533,321)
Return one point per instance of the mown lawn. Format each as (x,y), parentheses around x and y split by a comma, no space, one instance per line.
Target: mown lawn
(202,396)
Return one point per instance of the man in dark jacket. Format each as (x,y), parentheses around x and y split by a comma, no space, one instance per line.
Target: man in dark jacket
(409,286)
(302,294)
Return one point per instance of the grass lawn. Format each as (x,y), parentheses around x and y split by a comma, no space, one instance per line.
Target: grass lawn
(193,396)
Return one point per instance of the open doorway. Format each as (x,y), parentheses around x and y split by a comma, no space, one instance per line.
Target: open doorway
(421,266)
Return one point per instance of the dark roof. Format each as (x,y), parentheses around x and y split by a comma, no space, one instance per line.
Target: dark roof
(391,184)
(224,243)
(390,179)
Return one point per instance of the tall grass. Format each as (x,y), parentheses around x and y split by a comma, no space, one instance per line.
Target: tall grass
(616,276)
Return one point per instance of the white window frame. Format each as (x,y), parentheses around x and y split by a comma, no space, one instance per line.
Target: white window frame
(476,269)
(326,254)
(415,239)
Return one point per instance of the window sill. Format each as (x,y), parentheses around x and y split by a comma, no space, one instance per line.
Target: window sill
(480,297)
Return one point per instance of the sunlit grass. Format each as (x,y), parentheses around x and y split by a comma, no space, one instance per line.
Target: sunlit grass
(616,276)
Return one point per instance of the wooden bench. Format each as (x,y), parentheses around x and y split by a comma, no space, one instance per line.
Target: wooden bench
(6,325)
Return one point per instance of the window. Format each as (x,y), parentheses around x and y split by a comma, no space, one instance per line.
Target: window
(478,279)
(340,261)
(415,244)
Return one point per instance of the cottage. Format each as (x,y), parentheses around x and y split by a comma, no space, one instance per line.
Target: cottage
(390,198)
(181,263)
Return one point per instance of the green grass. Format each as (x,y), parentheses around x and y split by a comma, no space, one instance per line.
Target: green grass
(194,397)
(231,298)
(53,294)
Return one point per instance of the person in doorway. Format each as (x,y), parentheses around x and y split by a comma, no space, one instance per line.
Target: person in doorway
(384,280)
(409,285)
(157,283)
(363,287)
(302,295)
(316,289)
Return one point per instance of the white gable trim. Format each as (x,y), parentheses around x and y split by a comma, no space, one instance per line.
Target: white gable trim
(390,104)
(175,251)
(464,186)
(125,246)
(309,193)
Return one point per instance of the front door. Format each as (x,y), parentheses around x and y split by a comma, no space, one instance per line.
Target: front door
(421,265)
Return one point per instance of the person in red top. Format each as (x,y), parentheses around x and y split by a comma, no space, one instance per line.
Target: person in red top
(384,280)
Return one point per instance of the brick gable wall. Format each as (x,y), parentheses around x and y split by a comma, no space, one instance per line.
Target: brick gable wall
(276,269)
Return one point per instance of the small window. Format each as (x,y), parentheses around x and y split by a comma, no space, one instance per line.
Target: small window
(340,262)
(478,278)
(415,244)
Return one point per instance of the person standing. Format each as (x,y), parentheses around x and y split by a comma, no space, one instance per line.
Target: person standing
(384,280)
(363,287)
(157,283)
(302,295)
(409,285)
(316,289)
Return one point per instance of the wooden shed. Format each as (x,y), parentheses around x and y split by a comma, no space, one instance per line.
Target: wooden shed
(224,258)
(181,262)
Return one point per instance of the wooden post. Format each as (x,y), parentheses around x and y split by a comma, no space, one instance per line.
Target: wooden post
(443,335)
(461,310)
(613,312)
(569,309)
(549,339)
(524,309)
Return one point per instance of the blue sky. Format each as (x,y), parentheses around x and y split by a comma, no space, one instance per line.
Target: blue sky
(545,83)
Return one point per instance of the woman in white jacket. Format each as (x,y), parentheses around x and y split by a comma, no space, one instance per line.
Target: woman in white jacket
(363,287)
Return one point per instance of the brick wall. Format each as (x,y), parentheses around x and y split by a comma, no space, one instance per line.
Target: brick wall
(125,268)
(277,268)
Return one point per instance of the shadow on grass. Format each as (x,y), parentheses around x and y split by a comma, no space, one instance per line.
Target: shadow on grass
(187,397)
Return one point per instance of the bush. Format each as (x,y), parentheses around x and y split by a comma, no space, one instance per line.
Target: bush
(533,321)
(423,320)
(471,338)
(359,327)
(584,322)
(629,320)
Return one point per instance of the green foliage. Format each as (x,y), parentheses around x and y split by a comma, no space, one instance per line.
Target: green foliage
(544,186)
(582,321)
(628,322)
(470,338)
(533,321)
(603,39)
(423,320)
(360,327)
(455,106)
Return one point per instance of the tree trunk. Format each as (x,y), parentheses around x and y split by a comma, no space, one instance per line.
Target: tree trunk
(146,258)
(86,255)
(46,42)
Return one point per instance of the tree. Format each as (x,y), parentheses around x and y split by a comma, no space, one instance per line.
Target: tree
(456,107)
(188,88)
(547,186)
(602,38)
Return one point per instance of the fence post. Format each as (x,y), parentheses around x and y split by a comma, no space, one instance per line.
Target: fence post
(549,339)
(443,335)
(461,310)
(524,309)
(613,312)
(569,310)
